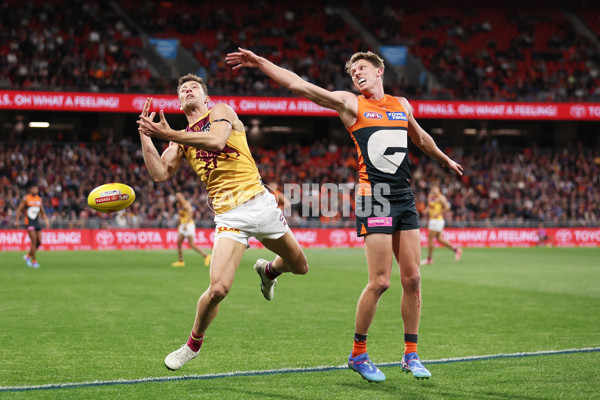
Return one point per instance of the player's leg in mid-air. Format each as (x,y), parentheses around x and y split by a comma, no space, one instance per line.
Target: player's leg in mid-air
(276,236)
(226,256)
(290,258)
(234,228)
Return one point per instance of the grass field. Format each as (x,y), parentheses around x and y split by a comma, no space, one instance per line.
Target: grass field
(103,316)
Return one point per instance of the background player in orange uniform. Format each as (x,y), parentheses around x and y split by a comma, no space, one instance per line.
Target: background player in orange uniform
(33,206)
(379,125)
(214,145)
(186,229)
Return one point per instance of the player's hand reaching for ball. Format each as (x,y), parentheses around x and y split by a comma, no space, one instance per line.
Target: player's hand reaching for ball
(148,127)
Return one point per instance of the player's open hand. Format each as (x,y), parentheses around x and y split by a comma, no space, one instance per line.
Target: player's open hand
(145,112)
(147,106)
(242,58)
(454,166)
(148,127)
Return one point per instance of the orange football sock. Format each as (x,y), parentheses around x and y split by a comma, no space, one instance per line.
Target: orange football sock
(360,345)
(410,347)
(359,348)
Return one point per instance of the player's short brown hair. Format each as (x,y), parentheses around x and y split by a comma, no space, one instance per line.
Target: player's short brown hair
(371,57)
(192,77)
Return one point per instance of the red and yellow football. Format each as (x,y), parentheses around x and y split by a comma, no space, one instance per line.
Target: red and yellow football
(111,197)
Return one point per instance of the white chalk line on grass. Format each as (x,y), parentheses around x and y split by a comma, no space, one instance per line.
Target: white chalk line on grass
(72,385)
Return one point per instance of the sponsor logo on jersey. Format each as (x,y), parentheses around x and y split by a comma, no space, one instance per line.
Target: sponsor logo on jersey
(379,221)
(372,115)
(396,116)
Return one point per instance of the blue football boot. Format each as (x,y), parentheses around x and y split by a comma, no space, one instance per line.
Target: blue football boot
(365,367)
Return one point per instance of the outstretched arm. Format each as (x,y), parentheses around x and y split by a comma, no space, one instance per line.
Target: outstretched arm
(222,119)
(426,143)
(344,103)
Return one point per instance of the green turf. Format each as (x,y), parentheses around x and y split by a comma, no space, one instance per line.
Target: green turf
(87,316)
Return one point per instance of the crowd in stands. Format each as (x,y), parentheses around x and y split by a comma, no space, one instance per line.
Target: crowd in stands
(514,51)
(63,45)
(517,51)
(522,186)
(305,37)
(500,52)
(530,184)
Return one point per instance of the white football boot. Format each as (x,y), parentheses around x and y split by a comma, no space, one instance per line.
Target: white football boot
(180,357)
(267,286)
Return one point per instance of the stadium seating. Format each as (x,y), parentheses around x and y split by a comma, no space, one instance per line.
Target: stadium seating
(64,45)
(507,51)
(523,186)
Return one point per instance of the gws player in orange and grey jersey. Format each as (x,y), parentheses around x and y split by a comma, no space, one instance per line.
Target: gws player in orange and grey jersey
(437,205)
(34,208)
(186,229)
(379,125)
(214,144)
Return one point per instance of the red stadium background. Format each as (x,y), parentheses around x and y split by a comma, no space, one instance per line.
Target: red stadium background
(293,106)
(522,78)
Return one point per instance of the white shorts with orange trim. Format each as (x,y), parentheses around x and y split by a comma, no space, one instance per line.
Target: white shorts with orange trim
(258,217)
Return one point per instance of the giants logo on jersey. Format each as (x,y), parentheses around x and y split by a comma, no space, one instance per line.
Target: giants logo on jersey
(372,115)
(387,149)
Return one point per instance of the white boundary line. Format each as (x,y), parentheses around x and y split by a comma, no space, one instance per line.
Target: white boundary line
(71,385)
